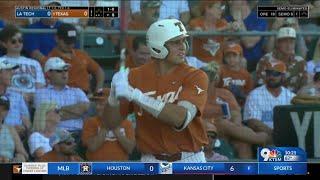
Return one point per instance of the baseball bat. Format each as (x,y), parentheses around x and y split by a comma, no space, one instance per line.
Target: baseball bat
(123,59)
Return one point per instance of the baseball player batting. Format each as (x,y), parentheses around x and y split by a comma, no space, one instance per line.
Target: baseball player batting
(167,96)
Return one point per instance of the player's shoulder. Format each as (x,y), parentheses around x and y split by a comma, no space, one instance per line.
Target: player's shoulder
(191,69)
(189,73)
(187,69)
(145,68)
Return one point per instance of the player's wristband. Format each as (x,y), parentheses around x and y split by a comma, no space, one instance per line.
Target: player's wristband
(150,104)
(191,113)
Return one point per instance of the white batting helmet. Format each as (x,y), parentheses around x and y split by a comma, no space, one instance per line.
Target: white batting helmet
(162,31)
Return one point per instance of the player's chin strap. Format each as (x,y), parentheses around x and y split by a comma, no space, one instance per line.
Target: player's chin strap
(154,107)
(187,46)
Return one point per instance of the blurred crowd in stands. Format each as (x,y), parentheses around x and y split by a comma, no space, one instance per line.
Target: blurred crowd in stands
(52,92)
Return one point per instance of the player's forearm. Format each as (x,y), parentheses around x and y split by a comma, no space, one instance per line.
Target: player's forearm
(173,115)
(97,141)
(168,113)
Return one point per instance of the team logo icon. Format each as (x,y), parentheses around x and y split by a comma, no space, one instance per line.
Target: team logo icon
(85,168)
(165,168)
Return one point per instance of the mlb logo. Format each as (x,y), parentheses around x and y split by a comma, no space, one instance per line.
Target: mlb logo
(85,168)
(17,169)
(165,168)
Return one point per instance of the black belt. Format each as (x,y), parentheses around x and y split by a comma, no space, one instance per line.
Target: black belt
(169,158)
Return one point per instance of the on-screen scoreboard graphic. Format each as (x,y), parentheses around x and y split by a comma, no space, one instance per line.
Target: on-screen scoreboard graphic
(66,12)
(271,160)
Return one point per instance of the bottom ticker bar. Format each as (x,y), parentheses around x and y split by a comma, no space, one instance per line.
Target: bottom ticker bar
(132,168)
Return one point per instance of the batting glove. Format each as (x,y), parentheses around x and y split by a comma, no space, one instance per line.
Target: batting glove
(121,85)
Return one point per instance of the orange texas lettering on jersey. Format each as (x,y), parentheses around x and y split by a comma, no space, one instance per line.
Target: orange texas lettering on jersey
(169,97)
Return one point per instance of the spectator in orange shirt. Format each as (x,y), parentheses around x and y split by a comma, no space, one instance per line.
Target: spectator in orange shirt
(104,143)
(209,48)
(82,65)
(63,149)
(233,76)
(149,14)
